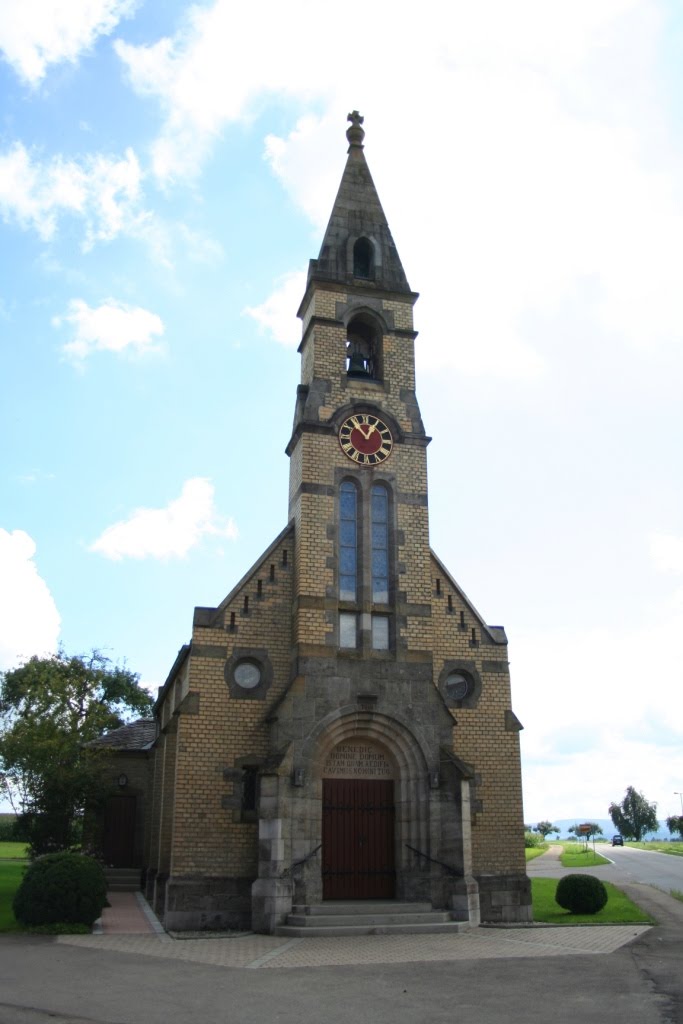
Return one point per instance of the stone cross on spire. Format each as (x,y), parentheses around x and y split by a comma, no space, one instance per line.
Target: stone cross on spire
(355,133)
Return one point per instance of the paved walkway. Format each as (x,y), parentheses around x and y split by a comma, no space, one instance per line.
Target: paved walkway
(128,913)
(129,926)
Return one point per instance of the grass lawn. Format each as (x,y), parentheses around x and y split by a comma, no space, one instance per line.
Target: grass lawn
(11,872)
(534,851)
(12,851)
(675,849)
(618,910)
(581,858)
(12,864)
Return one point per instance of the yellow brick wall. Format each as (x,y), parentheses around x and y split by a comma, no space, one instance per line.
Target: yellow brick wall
(205,838)
(480,737)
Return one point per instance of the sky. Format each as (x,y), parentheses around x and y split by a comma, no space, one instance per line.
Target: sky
(167,170)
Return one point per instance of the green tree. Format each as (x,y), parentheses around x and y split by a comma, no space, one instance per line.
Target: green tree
(545,828)
(587,830)
(50,710)
(675,825)
(635,816)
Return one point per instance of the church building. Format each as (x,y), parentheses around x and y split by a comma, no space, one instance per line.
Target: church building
(339,731)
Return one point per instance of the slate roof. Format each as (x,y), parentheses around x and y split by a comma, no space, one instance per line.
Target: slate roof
(138,735)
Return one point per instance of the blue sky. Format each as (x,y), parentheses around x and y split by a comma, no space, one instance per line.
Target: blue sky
(166,172)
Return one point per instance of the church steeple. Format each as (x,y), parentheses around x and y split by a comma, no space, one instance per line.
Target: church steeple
(358,247)
(319,699)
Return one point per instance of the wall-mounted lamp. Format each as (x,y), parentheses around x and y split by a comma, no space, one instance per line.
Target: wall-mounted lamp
(123,780)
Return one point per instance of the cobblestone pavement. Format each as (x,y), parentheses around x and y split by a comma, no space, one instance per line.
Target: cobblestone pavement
(269,951)
(129,925)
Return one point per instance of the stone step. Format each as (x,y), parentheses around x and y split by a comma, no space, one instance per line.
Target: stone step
(312,931)
(361,907)
(342,920)
(368,917)
(122,879)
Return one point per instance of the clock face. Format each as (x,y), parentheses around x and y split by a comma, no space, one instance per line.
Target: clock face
(365,439)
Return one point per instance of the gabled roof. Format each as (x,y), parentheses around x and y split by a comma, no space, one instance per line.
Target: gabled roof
(139,735)
(358,213)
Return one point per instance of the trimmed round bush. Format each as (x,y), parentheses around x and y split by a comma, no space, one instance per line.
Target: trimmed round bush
(61,887)
(581,894)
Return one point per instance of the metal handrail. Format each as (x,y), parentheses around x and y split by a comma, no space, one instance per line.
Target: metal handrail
(298,863)
(449,868)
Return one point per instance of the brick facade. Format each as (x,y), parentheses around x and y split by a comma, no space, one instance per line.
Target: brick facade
(291,667)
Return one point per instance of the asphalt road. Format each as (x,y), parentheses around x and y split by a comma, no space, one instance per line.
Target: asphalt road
(42,982)
(659,869)
(45,982)
(628,866)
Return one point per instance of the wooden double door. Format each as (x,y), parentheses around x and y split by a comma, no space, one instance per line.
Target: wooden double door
(358,839)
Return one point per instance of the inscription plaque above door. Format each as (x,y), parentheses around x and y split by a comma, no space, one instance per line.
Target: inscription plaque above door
(358,759)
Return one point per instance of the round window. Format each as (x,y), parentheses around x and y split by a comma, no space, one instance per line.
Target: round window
(457,686)
(247,675)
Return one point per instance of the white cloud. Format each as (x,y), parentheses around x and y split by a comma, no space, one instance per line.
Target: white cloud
(104,191)
(601,709)
(112,327)
(37,33)
(666,551)
(213,72)
(524,155)
(29,620)
(278,313)
(169,532)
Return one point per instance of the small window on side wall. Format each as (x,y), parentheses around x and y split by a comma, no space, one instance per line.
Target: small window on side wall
(460,684)
(249,788)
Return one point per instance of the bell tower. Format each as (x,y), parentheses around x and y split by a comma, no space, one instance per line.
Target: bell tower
(357,423)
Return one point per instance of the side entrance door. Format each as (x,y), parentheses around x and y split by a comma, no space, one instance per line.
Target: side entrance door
(118,844)
(358,839)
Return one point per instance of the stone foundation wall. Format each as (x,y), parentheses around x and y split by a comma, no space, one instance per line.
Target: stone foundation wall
(198,904)
(505,899)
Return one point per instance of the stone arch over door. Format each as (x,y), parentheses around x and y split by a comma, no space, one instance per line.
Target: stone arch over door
(411,764)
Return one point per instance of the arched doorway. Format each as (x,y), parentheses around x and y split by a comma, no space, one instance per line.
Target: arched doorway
(358,814)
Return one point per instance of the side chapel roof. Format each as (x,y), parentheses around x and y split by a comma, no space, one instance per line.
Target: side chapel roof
(139,735)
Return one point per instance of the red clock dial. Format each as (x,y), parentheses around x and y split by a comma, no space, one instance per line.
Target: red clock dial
(365,439)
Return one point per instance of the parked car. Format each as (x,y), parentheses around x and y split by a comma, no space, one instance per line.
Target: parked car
(617,841)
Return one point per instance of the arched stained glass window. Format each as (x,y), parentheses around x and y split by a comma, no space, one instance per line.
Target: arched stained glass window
(380,544)
(348,541)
